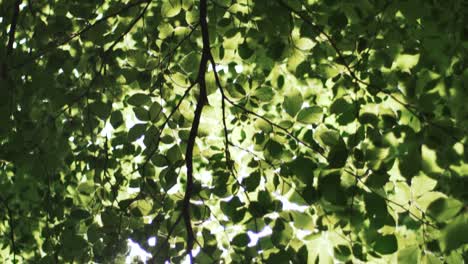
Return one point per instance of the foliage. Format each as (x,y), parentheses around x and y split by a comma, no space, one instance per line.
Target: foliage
(339,126)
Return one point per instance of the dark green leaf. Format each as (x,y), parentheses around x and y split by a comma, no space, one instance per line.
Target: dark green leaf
(444,209)
(454,234)
(386,244)
(139,99)
(241,240)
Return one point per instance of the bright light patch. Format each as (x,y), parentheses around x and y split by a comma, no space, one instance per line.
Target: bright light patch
(75,73)
(287,205)
(255,236)
(107,130)
(218,68)
(136,251)
(152,241)
(131,190)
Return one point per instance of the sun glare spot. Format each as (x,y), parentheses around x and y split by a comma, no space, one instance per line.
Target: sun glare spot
(254,237)
(152,241)
(136,251)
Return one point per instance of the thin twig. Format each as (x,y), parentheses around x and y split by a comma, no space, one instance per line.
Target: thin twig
(155,149)
(166,241)
(129,28)
(11,33)
(55,44)
(315,147)
(391,201)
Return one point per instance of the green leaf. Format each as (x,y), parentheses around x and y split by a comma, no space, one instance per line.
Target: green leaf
(80,214)
(444,209)
(293,102)
(233,209)
(422,184)
(274,149)
(310,115)
(174,154)
(170,8)
(169,176)
(330,187)
(137,59)
(386,244)
(342,252)
(410,254)
(159,160)
(377,179)
(141,113)
(264,93)
(244,51)
(190,62)
(139,99)
(275,50)
(338,155)
(375,205)
(241,240)
(251,183)
(141,207)
(338,20)
(454,234)
(101,109)
(406,61)
(86,188)
(136,132)
(116,119)
(303,221)
(327,137)
(303,169)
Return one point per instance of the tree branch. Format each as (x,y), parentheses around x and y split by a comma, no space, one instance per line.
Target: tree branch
(229,161)
(341,57)
(315,147)
(55,44)
(155,149)
(201,102)
(166,241)
(11,33)
(422,220)
(129,28)
(353,74)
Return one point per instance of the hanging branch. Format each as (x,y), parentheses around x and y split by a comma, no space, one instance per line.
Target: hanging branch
(201,102)
(11,33)
(229,161)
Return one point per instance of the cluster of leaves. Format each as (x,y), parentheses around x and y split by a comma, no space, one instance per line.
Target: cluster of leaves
(302,131)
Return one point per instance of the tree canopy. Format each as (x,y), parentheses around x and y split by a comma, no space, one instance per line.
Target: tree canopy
(234,131)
